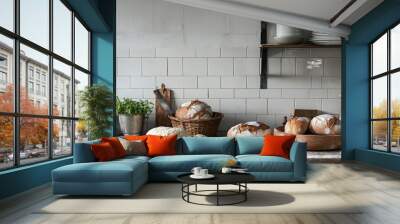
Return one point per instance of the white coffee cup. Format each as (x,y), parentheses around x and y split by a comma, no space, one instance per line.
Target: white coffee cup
(226,170)
(196,171)
(203,172)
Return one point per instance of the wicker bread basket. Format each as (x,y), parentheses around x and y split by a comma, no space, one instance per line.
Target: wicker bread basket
(207,127)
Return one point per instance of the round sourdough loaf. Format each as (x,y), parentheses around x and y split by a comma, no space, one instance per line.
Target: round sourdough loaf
(251,128)
(297,125)
(194,110)
(325,124)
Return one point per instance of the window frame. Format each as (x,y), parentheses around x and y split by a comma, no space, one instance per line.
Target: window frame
(16,114)
(388,74)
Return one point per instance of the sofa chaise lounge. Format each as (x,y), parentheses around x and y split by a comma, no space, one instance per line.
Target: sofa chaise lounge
(125,176)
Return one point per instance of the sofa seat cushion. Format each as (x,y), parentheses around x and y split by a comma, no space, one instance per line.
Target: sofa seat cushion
(185,163)
(257,163)
(113,171)
(133,157)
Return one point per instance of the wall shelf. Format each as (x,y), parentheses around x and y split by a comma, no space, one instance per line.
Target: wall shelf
(298,46)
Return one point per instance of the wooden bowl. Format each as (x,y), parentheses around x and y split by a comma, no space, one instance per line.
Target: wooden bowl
(316,142)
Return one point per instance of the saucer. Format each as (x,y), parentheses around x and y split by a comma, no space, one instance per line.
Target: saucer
(208,176)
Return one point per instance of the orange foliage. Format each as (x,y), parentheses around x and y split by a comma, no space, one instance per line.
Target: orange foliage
(33,130)
(380,111)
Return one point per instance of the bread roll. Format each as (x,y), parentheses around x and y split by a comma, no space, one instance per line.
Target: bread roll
(297,125)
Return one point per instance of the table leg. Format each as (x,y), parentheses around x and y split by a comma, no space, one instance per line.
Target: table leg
(188,190)
(195,188)
(245,193)
(182,190)
(217,194)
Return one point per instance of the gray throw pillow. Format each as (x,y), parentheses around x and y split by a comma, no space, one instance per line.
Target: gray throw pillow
(137,148)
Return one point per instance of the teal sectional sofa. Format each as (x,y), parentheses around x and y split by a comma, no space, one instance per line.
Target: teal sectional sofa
(125,176)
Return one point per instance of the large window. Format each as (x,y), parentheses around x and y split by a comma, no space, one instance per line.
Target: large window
(385,91)
(44,64)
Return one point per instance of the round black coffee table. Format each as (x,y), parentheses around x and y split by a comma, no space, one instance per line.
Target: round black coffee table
(238,179)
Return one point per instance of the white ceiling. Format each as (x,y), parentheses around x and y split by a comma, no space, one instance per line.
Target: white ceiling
(313,15)
(319,9)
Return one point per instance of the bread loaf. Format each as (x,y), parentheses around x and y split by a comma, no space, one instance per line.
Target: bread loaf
(194,110)
(297,125)
(252,128)
(325,124)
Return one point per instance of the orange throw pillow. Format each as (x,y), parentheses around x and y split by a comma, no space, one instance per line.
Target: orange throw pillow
(136,137)
(161,145)
(116,145)
(103,152)
(277,145)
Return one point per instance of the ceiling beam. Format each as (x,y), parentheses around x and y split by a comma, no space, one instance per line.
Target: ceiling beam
(347,11)
(267,15)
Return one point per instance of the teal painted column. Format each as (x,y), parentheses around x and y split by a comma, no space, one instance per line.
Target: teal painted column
(104,52)
(355,78)
(103,63)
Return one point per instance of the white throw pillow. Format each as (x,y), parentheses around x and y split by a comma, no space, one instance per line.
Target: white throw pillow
(165,131)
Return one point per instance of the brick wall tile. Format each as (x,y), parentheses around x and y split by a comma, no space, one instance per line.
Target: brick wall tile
(220,66)
(209,82)
(256,106)
(195,66)
(175,66)
(233,52)
(154,66)
(233,82)
(221,93)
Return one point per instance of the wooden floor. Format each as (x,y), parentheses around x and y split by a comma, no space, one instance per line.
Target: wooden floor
(379,189)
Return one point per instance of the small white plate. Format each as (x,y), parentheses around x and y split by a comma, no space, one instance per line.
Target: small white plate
(208,176)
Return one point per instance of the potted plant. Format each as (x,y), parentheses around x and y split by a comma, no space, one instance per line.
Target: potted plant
(131,114)
(96,103)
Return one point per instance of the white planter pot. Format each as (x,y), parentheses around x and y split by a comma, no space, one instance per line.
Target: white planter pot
(131,125)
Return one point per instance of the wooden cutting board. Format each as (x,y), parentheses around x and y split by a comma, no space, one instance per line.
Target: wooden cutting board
(161,115)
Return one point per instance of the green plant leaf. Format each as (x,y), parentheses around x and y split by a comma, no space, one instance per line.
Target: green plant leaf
(96,102)
(129,106)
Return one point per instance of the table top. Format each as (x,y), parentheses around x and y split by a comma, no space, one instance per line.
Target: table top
(220,178)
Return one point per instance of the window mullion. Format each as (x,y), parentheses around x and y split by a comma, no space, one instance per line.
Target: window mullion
(371,92)
(73,81)
(50,81)
(17,73)
(389,101)
(16,85)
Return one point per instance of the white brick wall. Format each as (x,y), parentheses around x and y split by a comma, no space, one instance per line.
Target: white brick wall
(220,66)
(195,66)
(154,66)
(214,57)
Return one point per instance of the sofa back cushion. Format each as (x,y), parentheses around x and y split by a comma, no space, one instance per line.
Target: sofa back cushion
(83,152)
(161,145)
(136,147)
(206,145)
(104,152)
(277,146)
(116,145)
(249,145)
